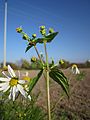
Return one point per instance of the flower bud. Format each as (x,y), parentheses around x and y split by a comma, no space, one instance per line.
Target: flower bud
(42,27)
(5,68)
(25,37)
(51,30)
(34,35)
(61,62)
(43,32)
(19,29)
(33,59)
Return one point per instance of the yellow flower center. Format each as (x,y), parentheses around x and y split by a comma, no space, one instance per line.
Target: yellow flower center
(27,78)
(13,81)
(74,66)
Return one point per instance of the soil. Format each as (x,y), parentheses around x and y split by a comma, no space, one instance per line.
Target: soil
(77,107)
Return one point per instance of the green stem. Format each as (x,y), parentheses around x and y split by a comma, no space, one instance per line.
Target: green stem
(39,58)
(38,54)
(47,83)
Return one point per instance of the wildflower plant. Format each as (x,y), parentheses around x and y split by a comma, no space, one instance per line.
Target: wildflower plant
(48,70)
(75,69)
(13,84)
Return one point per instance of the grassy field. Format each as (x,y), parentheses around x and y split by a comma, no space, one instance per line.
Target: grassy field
(78,105)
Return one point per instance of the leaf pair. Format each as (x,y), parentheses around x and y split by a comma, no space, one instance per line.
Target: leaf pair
(47,38)
(56,75)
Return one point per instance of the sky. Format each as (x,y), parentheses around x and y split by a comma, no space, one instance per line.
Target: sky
(71,18)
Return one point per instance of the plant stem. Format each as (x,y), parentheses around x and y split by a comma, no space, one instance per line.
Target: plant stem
(38,54)
(47,83)
(39,59)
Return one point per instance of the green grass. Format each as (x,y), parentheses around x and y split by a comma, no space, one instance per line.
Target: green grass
(21,109)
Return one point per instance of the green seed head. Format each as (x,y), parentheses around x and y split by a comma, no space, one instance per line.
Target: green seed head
(33,59)
(25,37)
(51,30)
(43,32)
(61,62)
(42,27)
(34,35)
(5,68)
(19,29)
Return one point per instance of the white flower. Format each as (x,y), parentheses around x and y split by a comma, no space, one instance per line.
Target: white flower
(13,84)
(75,69)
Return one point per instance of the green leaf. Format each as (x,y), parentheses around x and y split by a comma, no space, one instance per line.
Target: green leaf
(61,79)
(51,36)
(40,40)
(28,47)
(47,38)
(34,80)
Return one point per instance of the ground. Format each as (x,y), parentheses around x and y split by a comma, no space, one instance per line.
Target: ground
(78,105)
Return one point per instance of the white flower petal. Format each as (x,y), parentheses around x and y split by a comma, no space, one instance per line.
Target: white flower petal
(16,89)
(22,91)
(4,79)
(77,71)
(21,81)
(6,89)
(29,97)
(1,89)
(19,74)
(14,92)
(11,71)
(17,92)
(26,73)
(10,95)
(5,75)
(3,84)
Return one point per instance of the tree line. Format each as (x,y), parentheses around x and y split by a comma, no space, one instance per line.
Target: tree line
(29,65)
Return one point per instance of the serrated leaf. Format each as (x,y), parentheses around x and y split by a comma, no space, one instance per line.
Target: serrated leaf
(61,79)
(34,80)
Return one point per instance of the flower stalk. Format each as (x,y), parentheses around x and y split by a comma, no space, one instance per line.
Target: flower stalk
(47,83)
(38,54)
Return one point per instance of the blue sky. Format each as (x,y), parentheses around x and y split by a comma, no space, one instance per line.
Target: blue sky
(71,18)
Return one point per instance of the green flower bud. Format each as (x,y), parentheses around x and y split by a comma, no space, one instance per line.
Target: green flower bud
(33,59)
(19,29)
(51,30)
(5,68)
(43,32)
(34,35)
(61,62)
(42,27)
(25,37)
